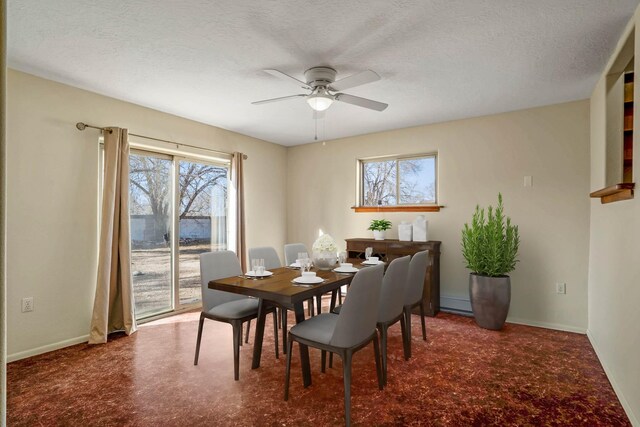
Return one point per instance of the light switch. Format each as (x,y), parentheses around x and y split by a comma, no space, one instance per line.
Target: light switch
(528,181)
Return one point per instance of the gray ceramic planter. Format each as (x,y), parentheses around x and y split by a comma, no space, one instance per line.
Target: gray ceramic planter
(490,299)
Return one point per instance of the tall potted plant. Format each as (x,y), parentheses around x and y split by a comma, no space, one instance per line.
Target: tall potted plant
(490,247)
(379,226)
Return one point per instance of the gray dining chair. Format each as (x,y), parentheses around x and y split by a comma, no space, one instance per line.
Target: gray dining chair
(291,251)
(390,309)
(353,329)
(227,307)
(271,261)
(413,296)
(269,254)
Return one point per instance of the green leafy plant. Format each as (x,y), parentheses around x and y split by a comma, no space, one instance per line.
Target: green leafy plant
(380,225)
(490,244)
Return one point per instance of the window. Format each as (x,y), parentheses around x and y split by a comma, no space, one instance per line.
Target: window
(398,182)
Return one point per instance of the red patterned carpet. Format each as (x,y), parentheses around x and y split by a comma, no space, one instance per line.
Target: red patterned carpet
(462,375)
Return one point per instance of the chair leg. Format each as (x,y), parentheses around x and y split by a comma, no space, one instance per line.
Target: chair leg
(383,343)
(237,338)
(280,318)
(319,304)
(407,338)
(288,369)
(246,337)
(346,369)
(323,361)
(331,360)
(275,331)
(340,295)
(195,360)
(376,351)
(284,330)
(424,329)
(403,328)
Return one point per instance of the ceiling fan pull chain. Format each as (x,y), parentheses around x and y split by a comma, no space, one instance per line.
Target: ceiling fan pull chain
(316,122)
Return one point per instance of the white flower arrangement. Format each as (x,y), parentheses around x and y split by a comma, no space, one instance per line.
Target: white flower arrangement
(325,243)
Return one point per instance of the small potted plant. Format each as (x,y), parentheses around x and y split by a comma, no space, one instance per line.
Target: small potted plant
(379,226)
(490,247)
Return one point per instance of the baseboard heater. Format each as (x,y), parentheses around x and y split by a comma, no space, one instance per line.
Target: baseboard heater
(455,305)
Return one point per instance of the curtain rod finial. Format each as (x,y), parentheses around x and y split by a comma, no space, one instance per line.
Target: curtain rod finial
(81,126)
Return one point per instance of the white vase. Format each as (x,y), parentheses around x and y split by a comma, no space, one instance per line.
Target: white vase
(378,234)
(324,260)
(420,225)
(404,231)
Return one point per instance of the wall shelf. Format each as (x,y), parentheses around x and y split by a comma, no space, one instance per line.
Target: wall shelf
(615,193)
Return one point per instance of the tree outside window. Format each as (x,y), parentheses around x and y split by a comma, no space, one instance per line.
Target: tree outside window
(399,181)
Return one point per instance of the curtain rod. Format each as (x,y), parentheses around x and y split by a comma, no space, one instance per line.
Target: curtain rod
(83,126)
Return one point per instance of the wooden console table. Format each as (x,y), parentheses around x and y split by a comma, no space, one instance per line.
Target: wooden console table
(389,249)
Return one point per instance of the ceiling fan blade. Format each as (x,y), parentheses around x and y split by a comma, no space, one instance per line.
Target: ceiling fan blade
(282,98)
(361,78)
(361,102)
(287,77)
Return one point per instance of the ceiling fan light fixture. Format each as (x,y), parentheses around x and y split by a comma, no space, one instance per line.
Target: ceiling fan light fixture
(320,100)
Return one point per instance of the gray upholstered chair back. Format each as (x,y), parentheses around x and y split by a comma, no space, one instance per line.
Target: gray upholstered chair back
(217,265)
(291,252)
(268,254)
(393,287)
(415,281)
(357,318)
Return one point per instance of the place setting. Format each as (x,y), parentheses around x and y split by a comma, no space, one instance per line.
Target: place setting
(307,277)
(369,259)
(345,267)
(257,271)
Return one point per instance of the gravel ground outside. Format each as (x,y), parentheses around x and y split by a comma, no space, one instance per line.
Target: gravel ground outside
(151,269)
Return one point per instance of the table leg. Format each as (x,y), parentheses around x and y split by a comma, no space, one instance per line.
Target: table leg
(304,350)
(257,344)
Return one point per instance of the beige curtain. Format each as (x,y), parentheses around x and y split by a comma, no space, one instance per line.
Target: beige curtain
(237,178)
(113,307)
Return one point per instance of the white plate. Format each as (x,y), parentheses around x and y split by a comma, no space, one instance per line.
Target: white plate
(308,280)
(295,265)
(367,262)
(252,274)
(345,270)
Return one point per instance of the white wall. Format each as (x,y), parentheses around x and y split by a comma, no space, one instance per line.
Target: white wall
(52,200)
(477,158)
(614,264)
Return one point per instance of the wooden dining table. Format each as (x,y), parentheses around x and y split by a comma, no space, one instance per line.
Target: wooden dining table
(280,290)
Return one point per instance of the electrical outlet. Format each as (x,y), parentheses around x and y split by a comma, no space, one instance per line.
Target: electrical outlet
(561,288)
(27,304)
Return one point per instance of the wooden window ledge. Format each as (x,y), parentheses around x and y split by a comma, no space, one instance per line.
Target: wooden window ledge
(430,208)
(615,193)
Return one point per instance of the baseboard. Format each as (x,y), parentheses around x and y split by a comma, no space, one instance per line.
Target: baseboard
(625,404)
(547,325)
(47,348)
(462,306)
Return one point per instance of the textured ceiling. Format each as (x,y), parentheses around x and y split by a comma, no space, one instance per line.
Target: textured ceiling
(439,59)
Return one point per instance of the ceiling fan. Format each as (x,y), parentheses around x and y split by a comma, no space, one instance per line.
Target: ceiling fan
(321,81)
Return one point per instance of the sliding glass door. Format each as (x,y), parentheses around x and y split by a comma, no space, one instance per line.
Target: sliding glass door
(150,209)
(202,205)
(178,209)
